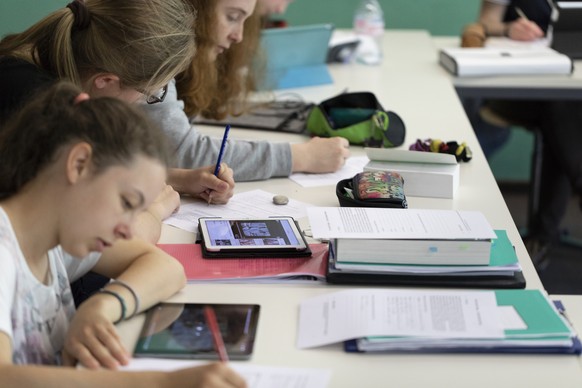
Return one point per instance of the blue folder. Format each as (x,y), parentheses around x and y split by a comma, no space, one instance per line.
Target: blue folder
(296,56)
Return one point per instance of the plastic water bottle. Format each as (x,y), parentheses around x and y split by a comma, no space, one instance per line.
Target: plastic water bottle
(369,27)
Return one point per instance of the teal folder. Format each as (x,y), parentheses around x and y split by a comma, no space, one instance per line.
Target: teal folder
(546,331)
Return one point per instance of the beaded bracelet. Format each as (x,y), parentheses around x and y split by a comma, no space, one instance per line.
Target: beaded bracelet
(133,293)
(121,302)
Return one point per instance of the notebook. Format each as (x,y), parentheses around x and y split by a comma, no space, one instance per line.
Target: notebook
(567,30)
(296,56)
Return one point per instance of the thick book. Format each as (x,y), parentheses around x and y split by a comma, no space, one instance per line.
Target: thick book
(419,252)
(425,174)
(485,61)
(502,271)
(532,324)
(249,270)
(502,258)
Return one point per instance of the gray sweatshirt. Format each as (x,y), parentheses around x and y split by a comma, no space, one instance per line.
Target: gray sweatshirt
(250,160)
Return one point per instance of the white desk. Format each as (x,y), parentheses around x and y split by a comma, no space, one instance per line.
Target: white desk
(410,84)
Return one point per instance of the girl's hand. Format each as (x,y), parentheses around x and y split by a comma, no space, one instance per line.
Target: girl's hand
(92,338)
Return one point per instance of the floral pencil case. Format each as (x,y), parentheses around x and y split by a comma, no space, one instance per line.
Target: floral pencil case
(372,189)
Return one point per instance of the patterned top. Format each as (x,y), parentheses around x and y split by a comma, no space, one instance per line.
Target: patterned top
(34,315)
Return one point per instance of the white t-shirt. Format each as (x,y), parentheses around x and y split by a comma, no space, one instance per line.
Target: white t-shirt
(36,316)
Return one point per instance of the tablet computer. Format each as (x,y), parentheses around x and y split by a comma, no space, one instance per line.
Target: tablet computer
(265,237)
(295,56)
(181,331)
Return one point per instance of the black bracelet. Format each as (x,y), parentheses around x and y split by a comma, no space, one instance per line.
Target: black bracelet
(121,302)
(132,292)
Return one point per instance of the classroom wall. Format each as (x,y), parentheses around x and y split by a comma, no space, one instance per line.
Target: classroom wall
(17,15)
(440,17)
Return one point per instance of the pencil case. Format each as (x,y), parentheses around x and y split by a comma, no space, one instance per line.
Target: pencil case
(372,189)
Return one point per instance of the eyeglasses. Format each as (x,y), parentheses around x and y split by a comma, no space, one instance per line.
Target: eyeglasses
(159,96)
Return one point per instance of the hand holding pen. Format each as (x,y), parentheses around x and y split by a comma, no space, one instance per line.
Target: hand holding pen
(524,29)
(219,159)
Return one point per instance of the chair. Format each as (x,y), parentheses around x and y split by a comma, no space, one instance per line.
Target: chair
(533,206)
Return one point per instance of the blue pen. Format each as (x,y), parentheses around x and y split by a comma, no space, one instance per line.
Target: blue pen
(221,152)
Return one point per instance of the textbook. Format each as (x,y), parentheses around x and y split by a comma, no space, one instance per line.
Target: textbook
(423,252)
(485,61)
(404,236)
(399,320)
(425,174)
(249,270)
(502,271)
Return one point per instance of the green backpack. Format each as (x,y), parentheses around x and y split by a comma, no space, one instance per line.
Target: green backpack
(359,118)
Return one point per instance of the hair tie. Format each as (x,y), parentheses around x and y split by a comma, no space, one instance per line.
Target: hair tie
(80,98)
(81,14)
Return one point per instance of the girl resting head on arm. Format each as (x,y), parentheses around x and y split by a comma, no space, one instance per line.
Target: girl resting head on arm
(76,173)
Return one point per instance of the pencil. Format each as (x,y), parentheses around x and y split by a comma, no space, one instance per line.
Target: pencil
(215,331)
(520,13)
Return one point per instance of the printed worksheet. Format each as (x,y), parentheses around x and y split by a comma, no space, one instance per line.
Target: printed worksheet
(344,315)
(347,222)
(353,165)
(250,204)
(256,376)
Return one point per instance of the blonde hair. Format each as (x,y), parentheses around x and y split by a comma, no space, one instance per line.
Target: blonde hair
(215,88)
(145,43)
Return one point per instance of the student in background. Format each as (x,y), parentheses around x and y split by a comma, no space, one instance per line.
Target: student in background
(75,173)
(268,8)
(127,49)
(217,83)
(500,18)
(559,121)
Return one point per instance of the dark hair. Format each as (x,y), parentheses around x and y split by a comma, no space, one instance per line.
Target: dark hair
(145,43)
(116,131)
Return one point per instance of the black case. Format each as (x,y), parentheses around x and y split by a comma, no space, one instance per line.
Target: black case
(345,201)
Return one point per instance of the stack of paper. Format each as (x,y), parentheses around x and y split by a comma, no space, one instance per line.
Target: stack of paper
(436,321)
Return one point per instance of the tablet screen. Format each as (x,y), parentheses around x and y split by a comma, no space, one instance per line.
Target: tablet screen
(227,234)
(174,330)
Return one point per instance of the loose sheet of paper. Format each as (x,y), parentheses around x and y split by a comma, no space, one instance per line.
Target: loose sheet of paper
(339,316)
(353,166)
(256,376)
(250,204)
(345,222)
